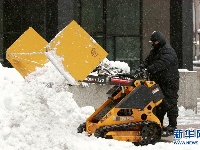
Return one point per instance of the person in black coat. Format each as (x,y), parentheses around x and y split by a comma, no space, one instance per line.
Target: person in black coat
(162,65)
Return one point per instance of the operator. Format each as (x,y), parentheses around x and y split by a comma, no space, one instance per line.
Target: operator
(162,66)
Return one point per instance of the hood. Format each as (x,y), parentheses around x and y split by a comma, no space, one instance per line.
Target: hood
(158,36)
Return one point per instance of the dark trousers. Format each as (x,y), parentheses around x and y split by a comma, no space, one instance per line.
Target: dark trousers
(169,103)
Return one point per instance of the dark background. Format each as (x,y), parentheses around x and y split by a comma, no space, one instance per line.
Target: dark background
(121,27)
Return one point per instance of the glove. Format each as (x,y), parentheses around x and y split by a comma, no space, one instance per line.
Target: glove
(144,73)
(145,70)
(142,66)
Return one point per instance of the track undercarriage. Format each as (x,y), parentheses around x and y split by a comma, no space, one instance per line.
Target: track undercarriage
(140,133)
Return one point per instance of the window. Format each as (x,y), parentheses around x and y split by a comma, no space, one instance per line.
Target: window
(115,25)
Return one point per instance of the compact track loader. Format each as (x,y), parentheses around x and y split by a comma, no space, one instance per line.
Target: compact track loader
(129,112)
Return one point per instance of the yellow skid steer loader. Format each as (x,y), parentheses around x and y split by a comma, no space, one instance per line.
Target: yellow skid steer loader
(129,112)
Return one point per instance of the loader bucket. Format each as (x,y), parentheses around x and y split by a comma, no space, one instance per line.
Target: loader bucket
(80,52)
(27,52)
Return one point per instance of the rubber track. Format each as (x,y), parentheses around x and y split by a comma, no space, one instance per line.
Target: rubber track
(151,131)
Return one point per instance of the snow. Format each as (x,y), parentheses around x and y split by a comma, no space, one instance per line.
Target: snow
(57,62)
(185,70)
(34,116)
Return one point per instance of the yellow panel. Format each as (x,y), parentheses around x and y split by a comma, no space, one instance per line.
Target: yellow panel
(80,51)
(26,64)
(27,52)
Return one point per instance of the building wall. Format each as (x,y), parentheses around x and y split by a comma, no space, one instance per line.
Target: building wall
(155,17)
(95,95)
(65,13)
(17,16)
(181,31)
(172,17)
(51,17)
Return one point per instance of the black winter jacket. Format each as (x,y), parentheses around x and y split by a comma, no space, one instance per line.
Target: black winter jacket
(162,63)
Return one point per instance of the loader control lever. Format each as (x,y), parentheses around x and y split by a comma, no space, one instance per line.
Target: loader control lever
(118,79)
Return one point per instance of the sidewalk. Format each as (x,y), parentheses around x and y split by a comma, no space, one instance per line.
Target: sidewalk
(185,121)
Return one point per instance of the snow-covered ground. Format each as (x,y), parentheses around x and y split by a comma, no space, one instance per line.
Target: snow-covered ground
(36,117)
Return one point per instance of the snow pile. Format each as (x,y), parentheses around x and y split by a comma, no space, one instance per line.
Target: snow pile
(10,75)
(46,74)
(49,73)
(38,117)
(113,67)
(185,112)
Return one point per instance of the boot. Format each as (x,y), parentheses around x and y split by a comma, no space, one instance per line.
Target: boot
(169,130)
